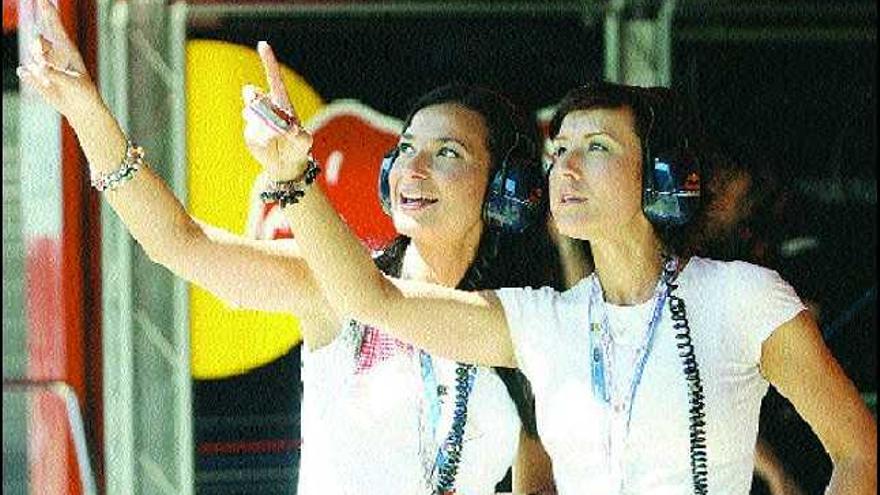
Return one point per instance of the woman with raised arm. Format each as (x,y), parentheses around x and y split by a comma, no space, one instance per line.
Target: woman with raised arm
(648,374)
(378,415)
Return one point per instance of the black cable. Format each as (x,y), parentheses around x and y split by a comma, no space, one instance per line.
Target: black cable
(696,396)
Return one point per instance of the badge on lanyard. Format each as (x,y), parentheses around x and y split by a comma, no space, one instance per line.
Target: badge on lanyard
(597,363)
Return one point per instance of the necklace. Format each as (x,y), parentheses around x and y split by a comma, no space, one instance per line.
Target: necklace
(602,359)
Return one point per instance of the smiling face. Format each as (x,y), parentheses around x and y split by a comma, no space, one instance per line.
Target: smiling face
(439,178)
(596,180)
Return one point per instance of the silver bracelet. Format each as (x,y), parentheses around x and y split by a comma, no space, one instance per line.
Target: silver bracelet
(131,163)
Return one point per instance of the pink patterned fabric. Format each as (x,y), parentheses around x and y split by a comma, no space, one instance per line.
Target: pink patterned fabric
(377,347)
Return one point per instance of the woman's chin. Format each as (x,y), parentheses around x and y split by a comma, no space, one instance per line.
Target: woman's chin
(410,226)
(424,228)
(574,226)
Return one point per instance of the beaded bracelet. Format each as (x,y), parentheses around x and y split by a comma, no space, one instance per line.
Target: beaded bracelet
(131,163)
(288,192)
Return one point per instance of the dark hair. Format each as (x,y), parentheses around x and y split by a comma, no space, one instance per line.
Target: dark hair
(662,118)
(501,260)
(606,95)
(503,120)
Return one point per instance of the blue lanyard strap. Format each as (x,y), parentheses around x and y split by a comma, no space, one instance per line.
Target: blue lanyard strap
(432,396)
(640,367)
(597,363)
(600,339)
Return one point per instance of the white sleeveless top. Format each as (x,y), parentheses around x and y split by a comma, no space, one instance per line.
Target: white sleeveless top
(362,415)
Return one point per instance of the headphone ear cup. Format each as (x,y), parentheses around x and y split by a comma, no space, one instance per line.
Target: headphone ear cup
(673,198)
(384,188)
(671,174)
(516,198)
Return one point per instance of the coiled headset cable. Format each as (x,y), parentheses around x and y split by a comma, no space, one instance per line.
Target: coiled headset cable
(696,395)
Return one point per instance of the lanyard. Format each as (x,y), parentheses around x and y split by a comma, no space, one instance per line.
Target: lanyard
(441,474)
(602,358)
(432,396)
(602,351)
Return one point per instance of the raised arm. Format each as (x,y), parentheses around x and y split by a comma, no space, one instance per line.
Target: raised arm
(264,275)
(797,362)
(460,325)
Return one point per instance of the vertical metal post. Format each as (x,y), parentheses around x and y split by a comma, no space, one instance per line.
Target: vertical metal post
(117,270)
(183,377)
(665,18)
(638,50)
(613,16)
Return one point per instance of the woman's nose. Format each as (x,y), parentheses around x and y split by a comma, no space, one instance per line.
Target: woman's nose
(416,166)
(569,165)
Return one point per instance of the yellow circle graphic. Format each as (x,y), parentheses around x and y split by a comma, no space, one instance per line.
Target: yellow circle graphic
(221,174)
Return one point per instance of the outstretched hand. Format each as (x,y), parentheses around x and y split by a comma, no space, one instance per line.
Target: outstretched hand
(281,150)
(56,69)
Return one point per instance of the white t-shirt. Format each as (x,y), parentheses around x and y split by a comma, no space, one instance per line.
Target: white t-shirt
(361,415)
(732,307)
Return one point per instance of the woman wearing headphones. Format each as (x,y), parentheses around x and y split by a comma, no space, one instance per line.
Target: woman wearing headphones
(378,415)
(648,374)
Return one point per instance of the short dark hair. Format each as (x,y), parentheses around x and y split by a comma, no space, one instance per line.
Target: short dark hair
(605,95)
(661,117)
(502,260)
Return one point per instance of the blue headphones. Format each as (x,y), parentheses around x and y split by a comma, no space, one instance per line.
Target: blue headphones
(515,199)
(671,174)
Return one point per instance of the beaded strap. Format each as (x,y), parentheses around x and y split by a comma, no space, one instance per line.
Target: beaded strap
(131,163)
(449,456)
(288,192)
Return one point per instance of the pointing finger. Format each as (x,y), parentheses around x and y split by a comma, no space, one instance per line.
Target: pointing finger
(277,90)
(51,19)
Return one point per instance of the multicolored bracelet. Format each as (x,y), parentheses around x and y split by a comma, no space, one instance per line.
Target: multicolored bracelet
(131,163)
(288,192)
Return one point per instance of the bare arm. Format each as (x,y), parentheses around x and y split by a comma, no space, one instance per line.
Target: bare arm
(797,362)
(770,469)
(532,470)
(264,275)
(244,273)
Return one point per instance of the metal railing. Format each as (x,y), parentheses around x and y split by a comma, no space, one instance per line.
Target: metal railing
(21,401)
